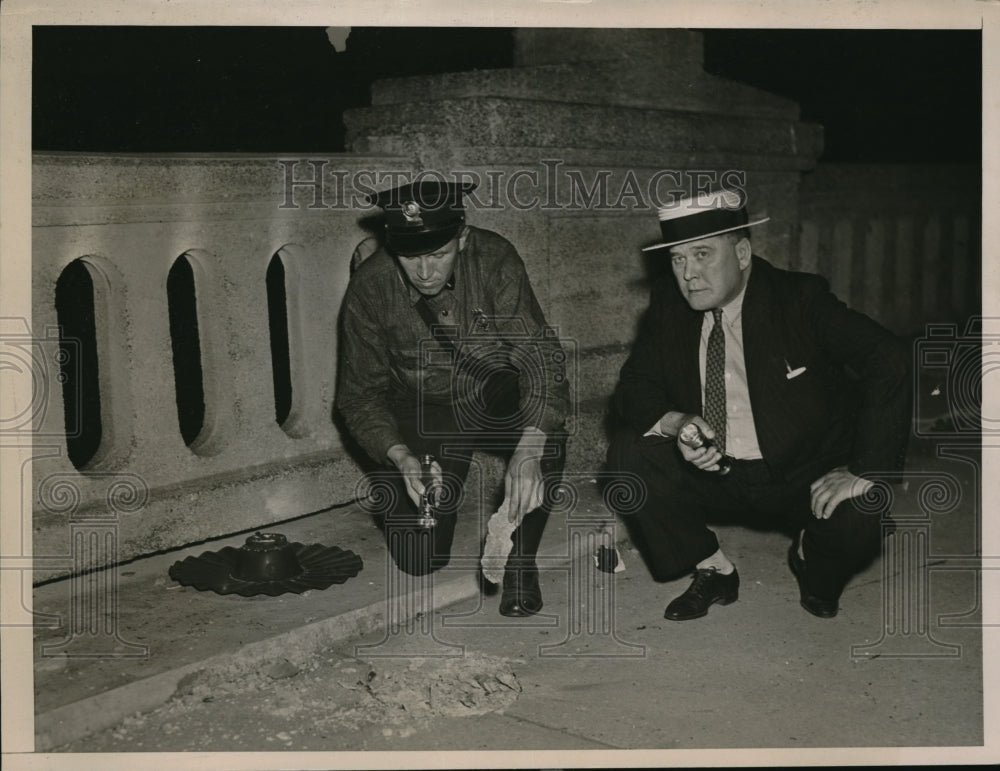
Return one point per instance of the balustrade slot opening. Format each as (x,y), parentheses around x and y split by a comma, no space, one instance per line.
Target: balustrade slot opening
(277,313)
(186,345)
(78,364)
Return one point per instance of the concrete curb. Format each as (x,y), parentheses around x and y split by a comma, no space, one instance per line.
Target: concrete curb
(74,721)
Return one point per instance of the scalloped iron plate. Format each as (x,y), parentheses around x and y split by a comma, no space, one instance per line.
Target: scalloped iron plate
(322,566)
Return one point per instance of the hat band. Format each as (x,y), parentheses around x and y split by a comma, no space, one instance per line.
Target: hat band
(416,228)
(421,242)
(702,224)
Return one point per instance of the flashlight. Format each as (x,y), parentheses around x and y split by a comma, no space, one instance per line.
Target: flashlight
(427,518)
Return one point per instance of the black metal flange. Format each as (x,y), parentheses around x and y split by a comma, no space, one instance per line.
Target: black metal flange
(267,564)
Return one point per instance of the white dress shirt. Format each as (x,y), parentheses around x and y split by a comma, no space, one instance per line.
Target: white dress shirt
(741,432)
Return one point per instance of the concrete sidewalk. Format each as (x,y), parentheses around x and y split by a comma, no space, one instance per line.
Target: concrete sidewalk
(600,668)
(164,632)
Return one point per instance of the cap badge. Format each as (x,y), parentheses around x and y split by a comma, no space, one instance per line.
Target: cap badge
(411,210)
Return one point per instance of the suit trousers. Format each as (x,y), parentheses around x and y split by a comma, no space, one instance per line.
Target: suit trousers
(681,499)
(437,430)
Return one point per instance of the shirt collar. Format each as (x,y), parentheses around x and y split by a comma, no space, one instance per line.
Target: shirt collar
(735,308)
(731,311)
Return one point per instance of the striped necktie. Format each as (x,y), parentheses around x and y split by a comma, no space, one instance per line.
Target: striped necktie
(715,381)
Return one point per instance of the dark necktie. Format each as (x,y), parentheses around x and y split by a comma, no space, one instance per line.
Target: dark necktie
(715,381)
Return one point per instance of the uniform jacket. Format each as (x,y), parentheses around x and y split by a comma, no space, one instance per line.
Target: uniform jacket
(850,405)
(389,362)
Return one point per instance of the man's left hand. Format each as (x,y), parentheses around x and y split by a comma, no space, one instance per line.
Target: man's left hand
(835,487)
(523,482)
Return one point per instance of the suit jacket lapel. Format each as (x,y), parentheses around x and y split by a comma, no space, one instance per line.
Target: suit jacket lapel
(764,340)
(757,333)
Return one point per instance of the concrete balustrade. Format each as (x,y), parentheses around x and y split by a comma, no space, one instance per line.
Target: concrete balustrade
(130,220)
(900,243)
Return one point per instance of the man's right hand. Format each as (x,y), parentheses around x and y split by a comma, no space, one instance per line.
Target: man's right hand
(704,458)
(409,466)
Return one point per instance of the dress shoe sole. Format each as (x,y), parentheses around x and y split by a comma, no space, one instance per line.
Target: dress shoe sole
(727,600)
(519,611)
(816,611)
(795,563)
(519,600)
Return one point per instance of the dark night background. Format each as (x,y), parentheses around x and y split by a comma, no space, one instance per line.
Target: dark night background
(883,95)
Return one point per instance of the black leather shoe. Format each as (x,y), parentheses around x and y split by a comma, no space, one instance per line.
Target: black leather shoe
(709,586)
(815,605)
(522,596)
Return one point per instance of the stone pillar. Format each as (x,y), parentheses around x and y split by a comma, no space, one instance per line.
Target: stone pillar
(625,118)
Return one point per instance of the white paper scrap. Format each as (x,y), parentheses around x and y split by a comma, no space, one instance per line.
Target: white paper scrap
(498,544)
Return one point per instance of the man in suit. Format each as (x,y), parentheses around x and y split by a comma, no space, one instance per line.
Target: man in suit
(803,400)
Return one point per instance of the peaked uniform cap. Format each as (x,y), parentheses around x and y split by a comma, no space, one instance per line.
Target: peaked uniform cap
(422,217)
(702,216)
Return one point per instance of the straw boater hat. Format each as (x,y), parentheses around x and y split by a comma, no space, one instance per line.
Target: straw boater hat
(422,217)
(702,216)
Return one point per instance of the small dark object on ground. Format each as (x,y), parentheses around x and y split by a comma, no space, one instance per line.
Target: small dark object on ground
(607,559)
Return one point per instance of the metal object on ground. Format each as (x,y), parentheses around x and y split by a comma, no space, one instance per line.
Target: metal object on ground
(606,558)
(267,564)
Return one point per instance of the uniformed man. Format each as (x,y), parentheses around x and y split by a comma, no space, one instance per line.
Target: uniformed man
(445,350)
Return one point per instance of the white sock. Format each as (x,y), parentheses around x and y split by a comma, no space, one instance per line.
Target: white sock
(719,561)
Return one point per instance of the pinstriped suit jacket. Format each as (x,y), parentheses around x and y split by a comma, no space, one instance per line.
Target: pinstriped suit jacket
(851,405)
